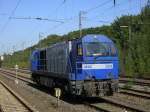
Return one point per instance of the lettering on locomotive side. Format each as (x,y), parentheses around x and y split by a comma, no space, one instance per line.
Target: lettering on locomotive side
(109,66)
(86,66)
(97,66)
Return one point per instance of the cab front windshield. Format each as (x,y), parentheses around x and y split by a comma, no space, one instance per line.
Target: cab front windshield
(96,49)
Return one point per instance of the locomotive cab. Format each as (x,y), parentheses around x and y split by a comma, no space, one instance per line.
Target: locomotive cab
(96,66)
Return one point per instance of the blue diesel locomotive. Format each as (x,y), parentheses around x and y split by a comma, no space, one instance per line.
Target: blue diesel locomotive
(87,66)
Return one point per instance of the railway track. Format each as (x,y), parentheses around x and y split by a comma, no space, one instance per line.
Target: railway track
(109,103)
(11,77)
(135,92)
(107,107)
(20,77)
(10,101)
(135,81)
(124,76)
(22,70)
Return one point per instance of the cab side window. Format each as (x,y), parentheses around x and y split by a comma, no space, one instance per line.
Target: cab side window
(79,50)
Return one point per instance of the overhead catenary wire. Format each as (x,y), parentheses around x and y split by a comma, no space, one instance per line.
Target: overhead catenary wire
(3,14)
(72,18)
(86,12)
(12,13)
(98,6)
(59,6)
(62,3)
(60,21)
(38,18)
(54,27)
(108,9)
(101,21)
(58,25)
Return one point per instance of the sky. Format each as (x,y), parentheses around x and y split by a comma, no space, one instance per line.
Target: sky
(20,29)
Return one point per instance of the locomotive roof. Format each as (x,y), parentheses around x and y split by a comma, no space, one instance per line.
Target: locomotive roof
(99,38)
(86,38)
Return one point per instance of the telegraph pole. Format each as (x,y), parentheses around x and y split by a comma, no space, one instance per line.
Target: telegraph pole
(40,38)
(80,23)
(13,54)
(81,17)
(23,49)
